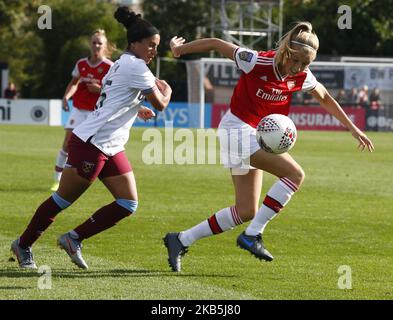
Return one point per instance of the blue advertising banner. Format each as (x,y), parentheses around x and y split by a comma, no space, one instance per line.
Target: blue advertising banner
(182,114)
(66,114)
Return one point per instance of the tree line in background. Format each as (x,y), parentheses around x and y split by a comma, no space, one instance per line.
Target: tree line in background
(41,60)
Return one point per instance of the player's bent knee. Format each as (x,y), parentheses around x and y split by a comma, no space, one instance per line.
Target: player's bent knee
(130,205)
(301,176)
(62,203)
(246,213)
(297,177)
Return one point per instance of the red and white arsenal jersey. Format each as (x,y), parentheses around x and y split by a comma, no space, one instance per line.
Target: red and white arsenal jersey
(261,90)
(88,73)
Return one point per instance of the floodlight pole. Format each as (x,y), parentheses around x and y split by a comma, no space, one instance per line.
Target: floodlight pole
(202,95)
(158,66)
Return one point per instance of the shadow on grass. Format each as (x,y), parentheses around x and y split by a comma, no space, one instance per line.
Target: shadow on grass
(114,273)
(15,288)
(13,189)
(18,273)
(167,273)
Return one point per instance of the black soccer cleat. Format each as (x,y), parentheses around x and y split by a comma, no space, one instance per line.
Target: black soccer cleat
(176,250)
(254,244)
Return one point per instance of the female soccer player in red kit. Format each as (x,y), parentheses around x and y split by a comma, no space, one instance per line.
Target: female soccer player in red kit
(96,147)
(265,87)
(84,89)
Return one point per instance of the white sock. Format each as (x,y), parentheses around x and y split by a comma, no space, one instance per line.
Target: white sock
(219,222)
(60,163)
(277,197)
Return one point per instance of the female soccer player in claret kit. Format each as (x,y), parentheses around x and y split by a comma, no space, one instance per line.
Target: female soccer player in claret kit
(265,87)
(84,89)
(96,147)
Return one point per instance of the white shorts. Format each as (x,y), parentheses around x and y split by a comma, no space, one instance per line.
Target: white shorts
(237,142)
(76,117)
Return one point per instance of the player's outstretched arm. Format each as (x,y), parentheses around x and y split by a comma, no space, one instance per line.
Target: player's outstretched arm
(179,47)
(331,105)
(69,92)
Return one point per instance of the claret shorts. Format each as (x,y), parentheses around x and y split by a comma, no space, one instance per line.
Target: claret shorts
(91,162)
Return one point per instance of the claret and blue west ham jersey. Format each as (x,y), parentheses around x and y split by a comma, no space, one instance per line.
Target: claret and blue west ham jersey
(261,90)
(123,92)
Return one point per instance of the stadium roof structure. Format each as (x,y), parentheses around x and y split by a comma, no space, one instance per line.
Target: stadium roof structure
(248,22)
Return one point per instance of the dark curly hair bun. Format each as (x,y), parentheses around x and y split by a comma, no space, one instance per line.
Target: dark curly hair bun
(126,17)
(137,28)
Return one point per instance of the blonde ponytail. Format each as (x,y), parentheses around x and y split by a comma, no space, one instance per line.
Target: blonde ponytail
(301,34)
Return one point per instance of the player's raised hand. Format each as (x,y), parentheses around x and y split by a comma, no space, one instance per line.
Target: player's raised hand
(174,44)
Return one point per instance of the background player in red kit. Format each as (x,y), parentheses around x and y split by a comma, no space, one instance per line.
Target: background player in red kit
(265,87)
(84,89)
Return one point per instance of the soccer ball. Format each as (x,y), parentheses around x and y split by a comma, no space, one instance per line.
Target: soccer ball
(276,133)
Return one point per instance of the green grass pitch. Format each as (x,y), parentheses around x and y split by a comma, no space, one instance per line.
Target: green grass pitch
(342,216)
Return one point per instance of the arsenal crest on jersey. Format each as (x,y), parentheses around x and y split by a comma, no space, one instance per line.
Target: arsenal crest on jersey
(87,166)
(291,84)
(100,70)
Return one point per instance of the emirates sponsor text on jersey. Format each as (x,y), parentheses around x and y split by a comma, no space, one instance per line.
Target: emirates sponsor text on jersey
(276,95)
